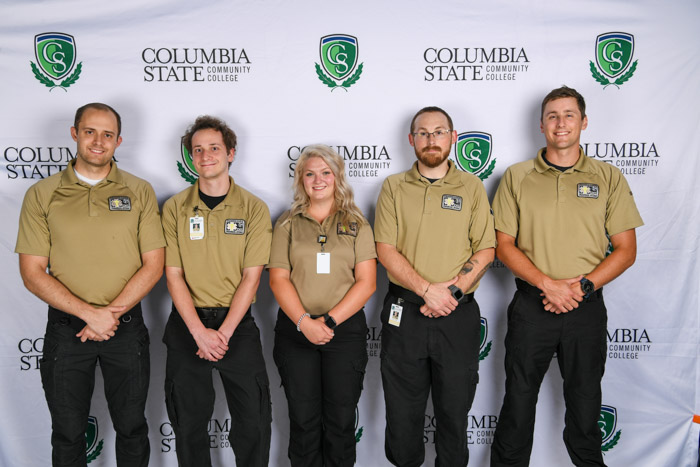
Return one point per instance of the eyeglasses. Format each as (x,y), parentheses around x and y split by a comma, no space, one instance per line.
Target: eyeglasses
(438,134)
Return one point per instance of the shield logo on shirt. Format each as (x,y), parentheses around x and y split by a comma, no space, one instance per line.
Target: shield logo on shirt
(234,226)
(119,203)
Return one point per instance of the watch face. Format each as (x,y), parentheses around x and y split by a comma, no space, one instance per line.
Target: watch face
(587,286)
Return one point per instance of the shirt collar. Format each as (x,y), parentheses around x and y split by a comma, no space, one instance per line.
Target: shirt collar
(232,196)
(583,164)
(450,178)
(69,177)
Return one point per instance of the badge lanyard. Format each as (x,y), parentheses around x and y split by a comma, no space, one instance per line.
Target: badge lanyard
(197,225)
(323,259)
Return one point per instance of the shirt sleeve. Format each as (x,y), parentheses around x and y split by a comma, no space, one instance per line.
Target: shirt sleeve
(621,210)
(169,222)
(385,219)
(281,240)
(364,244)
(257,249)
(33,235)
(481,229)
(150,228)
(505,206)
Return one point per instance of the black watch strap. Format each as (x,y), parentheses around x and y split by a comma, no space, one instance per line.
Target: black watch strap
(456,292)
(330,322)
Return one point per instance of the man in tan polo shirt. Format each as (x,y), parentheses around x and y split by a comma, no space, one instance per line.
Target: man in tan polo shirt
(555,217)
(435,237)
(98,230)
(218,241)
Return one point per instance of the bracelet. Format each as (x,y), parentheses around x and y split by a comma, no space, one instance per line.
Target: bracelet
(426,291)
(299,322)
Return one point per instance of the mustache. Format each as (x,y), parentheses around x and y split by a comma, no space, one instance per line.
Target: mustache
(431,148)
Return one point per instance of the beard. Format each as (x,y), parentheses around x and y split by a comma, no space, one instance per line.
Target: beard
(432,160)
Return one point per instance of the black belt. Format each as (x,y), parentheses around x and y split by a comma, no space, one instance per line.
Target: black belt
(211,316)
(410,297)
(523,286)
(64,319)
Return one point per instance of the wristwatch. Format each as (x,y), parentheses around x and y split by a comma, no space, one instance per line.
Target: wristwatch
(587,287)
(456,292)
(330,322)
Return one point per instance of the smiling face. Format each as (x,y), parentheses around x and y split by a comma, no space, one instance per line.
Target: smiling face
(562,124)
(97,138)
(319,180)
(432,151)
(209,154)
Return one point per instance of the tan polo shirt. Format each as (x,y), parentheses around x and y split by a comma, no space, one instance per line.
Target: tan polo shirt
(561,219)
(93,235)
(237,235)
(295,247)
(436,226)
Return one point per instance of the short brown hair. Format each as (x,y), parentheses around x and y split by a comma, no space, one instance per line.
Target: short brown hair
(431,109)
(561,92)
(97,106)
(206,122)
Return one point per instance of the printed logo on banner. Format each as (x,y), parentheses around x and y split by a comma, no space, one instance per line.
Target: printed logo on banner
(473,153)
(194,64)
(218,435)
(374,341)
(475,63)
(35,162)
(608,424)
(360,161)
(339,55)
(186,168)
(631,158)
(484,348)
(55,53)
(613,56)
(31,351)
(92,447)
(480,428)
(358,431)
(628,343)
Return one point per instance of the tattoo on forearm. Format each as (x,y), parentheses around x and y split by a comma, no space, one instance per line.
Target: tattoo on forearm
(468,267)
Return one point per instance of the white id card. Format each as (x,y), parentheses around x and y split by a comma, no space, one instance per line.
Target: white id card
(395,315)
(323,263)
(196,228)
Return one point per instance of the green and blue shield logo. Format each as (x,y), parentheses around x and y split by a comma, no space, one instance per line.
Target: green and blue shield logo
(473,153)
(55,53)
(613,56)
(608,424)
(186,168)
(484,348)
(339,55)
(92,447)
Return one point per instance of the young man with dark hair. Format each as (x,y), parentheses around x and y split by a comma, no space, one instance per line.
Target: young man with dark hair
(555,216)
(218,241)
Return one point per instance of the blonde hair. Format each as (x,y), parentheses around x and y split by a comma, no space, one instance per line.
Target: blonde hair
(344,198)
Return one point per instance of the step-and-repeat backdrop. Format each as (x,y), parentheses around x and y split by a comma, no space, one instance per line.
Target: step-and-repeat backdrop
(265,68)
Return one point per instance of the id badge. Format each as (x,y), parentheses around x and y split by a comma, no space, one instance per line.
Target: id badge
(395,315)
(323,263)
(196,228)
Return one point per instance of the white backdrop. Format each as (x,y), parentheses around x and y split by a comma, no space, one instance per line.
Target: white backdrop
(487,63)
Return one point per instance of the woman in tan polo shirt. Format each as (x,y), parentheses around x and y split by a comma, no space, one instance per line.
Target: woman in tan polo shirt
(322,272)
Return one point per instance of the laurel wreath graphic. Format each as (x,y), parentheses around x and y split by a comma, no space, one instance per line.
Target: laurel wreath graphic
(185,174)
(358,435)
(95,453)
(620,80)
(46,81)
(611,444)
(325,79)
(484,353)
(485,174)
